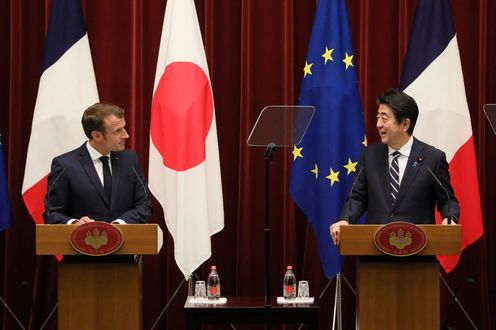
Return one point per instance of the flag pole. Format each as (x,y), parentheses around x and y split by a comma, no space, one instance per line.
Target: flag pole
(169,302)
(455,299)
(11,312)
(337,314)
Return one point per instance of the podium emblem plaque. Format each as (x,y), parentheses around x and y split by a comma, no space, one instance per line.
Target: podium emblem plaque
(400,239)
(96,238)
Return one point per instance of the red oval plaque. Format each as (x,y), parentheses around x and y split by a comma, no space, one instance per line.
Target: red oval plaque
(400,239)
(96,238)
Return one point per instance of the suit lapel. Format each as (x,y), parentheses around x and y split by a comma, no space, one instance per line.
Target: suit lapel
(412,168)
(90,170)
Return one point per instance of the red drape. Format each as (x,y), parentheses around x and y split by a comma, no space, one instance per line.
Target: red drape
(255,51)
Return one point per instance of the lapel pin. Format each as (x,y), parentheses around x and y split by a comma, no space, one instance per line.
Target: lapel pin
(420,159)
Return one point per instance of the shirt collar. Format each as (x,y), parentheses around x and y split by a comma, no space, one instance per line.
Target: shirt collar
(405,149)
(94,154)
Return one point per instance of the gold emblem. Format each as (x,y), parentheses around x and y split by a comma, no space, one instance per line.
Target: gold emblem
(96,239)
(399,239)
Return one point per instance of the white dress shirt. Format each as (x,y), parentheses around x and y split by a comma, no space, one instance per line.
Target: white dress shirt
(403,157)
(95,157)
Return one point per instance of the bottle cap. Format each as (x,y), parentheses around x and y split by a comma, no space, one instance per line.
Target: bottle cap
(213,267)
(289,267)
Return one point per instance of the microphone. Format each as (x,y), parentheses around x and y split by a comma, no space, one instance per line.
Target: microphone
(146,213)
(351,192)
(466,280)
(450,218)
(50,189)
(141,182)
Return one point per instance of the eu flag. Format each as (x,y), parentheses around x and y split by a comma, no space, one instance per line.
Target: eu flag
(325,162)
(5,216)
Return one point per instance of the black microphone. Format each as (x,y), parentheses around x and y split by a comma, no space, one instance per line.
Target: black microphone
(141,181)
(450,218)
(147,213)
(50,189)
(467,280)
(351,192)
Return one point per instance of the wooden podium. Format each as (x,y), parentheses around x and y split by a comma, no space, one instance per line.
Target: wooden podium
(99,295)
(402,293)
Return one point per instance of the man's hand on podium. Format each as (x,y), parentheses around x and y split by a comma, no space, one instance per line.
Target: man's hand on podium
(335,230)
(83,220)
(447,221)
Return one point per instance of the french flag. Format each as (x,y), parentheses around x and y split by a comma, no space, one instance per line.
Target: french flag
(67,87)
(433,76)
(184,168)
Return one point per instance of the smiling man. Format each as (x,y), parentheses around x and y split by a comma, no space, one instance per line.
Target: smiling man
(397,178)
(100,180)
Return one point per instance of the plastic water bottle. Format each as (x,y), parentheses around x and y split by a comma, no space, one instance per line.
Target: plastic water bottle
(213,284)
(289,283)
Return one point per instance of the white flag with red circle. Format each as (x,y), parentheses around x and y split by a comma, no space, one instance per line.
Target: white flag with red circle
(184,168)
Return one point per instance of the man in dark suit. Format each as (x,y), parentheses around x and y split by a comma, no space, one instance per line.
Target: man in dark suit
(397,180)
(100,180)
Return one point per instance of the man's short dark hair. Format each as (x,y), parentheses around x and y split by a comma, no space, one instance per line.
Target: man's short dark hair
(402,105)
(93,116)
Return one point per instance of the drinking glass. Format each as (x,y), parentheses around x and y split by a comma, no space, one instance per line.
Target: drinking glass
(303,289)
(200,289)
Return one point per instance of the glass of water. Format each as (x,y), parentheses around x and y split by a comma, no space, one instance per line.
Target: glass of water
(303,289)
(200,290)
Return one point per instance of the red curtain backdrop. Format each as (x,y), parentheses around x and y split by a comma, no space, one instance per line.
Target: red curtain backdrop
(255,51)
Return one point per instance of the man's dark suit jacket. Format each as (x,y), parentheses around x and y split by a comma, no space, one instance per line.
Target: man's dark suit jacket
(74,189)
(419,192)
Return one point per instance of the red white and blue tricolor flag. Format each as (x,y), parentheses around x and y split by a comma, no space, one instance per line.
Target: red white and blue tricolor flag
(67,87)
(5,213)
(433,76)
(325,162)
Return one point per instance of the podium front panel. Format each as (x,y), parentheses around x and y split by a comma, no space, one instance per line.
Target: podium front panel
(99,296)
